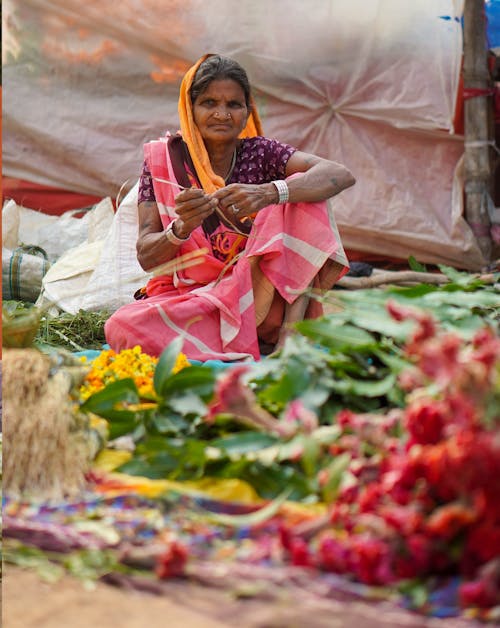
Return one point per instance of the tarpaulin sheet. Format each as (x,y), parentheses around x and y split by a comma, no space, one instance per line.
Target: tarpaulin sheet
(369,83)
(493,22)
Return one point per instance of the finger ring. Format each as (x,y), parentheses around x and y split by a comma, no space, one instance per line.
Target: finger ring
(235,209)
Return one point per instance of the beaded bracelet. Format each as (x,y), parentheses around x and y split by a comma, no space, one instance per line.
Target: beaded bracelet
(171,237)
(283,191)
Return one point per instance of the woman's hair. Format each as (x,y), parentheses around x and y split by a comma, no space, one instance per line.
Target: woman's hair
(214,68)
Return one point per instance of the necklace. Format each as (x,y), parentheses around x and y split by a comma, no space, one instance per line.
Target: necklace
(231,167)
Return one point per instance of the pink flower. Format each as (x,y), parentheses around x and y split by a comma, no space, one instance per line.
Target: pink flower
(300,416)
(426,325)
(234,397)
(439,358)
(230,392)
(411,379)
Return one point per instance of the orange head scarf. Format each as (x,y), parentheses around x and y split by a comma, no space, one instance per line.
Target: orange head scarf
(191,135)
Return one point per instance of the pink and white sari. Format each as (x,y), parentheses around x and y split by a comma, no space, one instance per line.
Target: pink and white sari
(213,305)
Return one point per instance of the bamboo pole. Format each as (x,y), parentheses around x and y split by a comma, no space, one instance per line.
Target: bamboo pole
(477,111)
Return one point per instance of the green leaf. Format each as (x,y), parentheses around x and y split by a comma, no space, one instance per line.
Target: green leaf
(157,466)
(417,266)
(335,472)
(33,558)
(465,300)
(243,443)
(310,456)
(460,278)
(267,479)
(167,424)
(252,519)
(165,364)
(294,381)
(328,333)
(197,380)
(382,323)
(365,388)
(106,403)
(188,404)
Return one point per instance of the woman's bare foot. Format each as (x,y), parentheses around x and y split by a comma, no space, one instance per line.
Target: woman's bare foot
(294,312)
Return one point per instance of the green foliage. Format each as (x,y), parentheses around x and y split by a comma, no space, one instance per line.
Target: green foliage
(415,265)
(350,359)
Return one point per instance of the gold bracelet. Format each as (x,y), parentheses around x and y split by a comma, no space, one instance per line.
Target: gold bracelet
(171,237)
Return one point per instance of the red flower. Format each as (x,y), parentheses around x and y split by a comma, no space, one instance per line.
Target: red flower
(447,521)
(404,519)
(346,419)
(172,561)
(478,593)
(333,555)
(299,553)
(425,420)
(369,558)
(483,541)
(487,347)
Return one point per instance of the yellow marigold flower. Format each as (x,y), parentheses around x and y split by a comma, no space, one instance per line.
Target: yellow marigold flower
(110,366)
(181,363)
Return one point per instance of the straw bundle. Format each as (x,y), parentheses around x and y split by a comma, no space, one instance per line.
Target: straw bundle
(46,453)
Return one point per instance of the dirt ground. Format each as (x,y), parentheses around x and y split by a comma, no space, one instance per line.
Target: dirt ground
(30,603)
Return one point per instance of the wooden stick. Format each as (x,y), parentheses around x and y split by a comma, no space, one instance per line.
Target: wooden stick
(403,277)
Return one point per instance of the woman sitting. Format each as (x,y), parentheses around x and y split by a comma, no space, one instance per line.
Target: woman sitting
(253,208)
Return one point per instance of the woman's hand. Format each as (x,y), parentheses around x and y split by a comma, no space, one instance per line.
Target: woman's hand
(245,199)
(192,206)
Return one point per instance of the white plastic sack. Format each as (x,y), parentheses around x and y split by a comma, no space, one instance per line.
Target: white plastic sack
(117,274)
(10,225)
(66,280)
(99,275)
(54,234)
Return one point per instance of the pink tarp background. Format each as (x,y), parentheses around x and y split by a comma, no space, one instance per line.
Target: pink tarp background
(370,83)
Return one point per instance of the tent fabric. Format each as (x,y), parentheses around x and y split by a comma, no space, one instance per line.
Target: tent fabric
(86,84)
(47,199)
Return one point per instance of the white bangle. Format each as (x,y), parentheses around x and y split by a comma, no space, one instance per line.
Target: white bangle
(171,237)
(283,192)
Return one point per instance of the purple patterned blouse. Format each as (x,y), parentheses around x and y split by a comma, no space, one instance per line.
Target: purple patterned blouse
(258,160)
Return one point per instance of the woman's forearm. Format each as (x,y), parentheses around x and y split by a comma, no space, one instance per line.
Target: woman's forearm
(317,178)
(153,247)
(323,180)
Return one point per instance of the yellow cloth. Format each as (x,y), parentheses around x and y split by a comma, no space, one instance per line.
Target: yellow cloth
(191,135)
(224,489)
(230,489)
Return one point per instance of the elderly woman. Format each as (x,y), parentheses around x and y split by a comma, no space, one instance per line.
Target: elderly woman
(253,210)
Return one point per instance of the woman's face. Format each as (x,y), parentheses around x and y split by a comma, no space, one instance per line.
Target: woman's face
(220,112)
